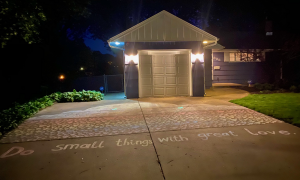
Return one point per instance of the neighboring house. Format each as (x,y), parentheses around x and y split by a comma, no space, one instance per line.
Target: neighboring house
(167,56)
(241,58)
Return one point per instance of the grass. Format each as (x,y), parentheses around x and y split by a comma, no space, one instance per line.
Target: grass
(283,106)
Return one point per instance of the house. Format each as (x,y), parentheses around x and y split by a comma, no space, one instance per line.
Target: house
(167,56)
(240,57)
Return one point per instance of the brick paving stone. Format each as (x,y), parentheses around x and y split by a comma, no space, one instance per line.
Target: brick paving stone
(205,119)
(49,129)
(129,118)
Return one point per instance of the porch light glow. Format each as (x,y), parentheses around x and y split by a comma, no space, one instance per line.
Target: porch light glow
(117,43)
(194,57)
(131,58)
(204,42)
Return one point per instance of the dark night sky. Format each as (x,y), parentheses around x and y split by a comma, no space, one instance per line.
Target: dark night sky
(229,15)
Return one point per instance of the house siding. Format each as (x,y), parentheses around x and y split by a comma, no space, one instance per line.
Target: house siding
(208,68)
(237,72)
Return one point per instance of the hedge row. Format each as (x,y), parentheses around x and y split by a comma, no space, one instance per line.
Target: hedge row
(271,87)
(12,117)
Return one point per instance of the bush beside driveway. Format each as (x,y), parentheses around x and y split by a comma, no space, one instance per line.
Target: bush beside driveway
(12,117)
(283,106)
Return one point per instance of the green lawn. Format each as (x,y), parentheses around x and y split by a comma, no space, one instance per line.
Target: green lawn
(284,106)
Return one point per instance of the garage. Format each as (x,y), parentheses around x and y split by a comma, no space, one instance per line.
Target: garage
(164,57)
(164,73)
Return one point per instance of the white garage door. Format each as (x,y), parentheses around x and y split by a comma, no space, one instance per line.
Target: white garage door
(164,75)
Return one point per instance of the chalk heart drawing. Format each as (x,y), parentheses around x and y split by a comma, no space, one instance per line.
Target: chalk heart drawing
(15,151)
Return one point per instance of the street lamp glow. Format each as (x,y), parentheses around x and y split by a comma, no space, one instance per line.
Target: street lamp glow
(81,68)
(61,77)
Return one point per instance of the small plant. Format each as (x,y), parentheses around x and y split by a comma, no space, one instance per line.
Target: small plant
(293,88)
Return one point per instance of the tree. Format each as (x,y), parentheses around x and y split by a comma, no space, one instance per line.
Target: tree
(291,47)
(20,17)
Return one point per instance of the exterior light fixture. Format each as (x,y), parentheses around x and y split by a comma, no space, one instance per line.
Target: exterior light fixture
(194,57)
(61,77)
(204,42)
(81,68)
(117,43)
(131,59)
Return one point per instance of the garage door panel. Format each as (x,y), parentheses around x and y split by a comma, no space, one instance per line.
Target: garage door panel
(164,75)
(170,60)
(147,91)
(183,71)
(171,81)
(171,70)
(182,59)
(159,81)
(183,90)
(158,70)
(158,60)
(182,80)
(171,91)
(159,91)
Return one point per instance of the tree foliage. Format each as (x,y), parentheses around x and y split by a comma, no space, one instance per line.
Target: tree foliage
(20,17)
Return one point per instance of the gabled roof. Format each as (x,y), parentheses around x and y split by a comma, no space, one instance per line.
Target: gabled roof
(163,26)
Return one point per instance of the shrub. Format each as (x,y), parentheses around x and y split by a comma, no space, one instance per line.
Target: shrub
(267,86)
(258,86)
(12,117)
(298,89)
(280,91)
(293,88)
(79,96)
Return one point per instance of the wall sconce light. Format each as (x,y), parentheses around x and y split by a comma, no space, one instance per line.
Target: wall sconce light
(194,57)
(204,42)
(131,59)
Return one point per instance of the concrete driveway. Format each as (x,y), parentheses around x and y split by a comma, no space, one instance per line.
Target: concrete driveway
(152,138)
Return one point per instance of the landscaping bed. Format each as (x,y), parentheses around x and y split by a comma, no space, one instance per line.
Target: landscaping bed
(283,106)
(12,117)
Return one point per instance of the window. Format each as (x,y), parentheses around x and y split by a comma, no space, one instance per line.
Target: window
(232,57)
(243,57)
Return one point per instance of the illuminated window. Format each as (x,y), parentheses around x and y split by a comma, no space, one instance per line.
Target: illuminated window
(232,57)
